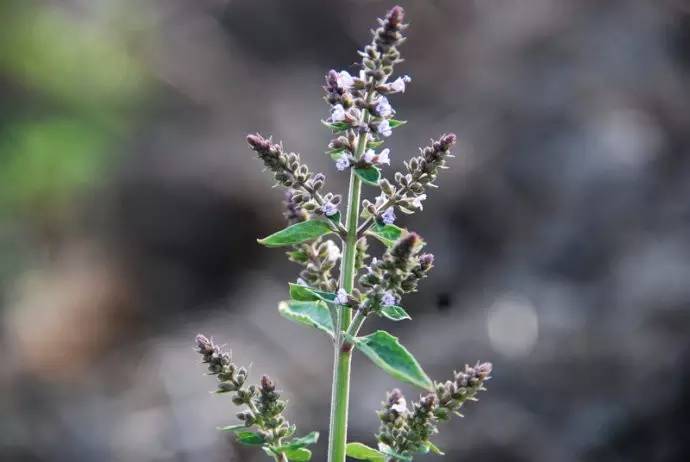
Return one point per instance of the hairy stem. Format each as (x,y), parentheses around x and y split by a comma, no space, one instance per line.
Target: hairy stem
(340,394)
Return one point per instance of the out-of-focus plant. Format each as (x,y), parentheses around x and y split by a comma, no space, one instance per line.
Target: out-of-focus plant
(72,89)
(361,117)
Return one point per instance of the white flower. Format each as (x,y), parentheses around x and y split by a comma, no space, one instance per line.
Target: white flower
(388,216)
(380,200)
(384,128)
(341,296)
(301,282)
(383,157)
(333,251)
(383,108)
(388,298)
(398,85)
(417,201)
(374,261)
(342,163)
(345,80)
(338,113)
(400,407)
(329,209)
(369,156)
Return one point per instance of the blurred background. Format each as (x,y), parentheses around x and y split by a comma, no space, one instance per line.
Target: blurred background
(130,204)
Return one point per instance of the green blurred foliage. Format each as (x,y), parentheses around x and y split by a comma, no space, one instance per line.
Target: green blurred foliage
(74,89)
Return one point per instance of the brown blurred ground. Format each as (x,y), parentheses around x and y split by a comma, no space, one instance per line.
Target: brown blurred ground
(129,208)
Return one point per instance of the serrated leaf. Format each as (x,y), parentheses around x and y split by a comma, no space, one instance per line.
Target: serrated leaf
(385,351)
(396,123)
(387,234)
(370,175)
(312,314)
(297,233)
(249,438)
(394,313)
(307,294)
(295,443)
(388,451)
(361,451)
(298,454)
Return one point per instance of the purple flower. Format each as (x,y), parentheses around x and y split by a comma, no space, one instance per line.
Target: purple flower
(341,297)
(384,128)
(388,298)
(398,85)
(338,113)
(345,80)
(388,216)
(383,107)
(329,209)
(342,163)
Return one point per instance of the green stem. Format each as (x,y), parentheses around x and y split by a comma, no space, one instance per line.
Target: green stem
(340,394)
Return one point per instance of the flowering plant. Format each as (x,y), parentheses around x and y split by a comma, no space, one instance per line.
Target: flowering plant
(361,117)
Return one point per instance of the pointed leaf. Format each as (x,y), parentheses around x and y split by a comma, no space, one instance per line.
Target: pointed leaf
(361,451)
(249,438)
(336,126)
(394,313)
(335,218)
(307,294)
(306,440)
(298,454)
(396,123)
(373,144)
(232,428)
(370,175)
(394,455)
(332,152)
(434,449)
(385,351)
(388,234)
(299,232)
(312,314)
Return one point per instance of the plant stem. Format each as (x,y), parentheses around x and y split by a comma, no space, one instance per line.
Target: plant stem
(340,394)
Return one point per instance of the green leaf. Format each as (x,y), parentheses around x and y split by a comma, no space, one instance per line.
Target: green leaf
(336,126)
(335,218)
(434,449)
(370,175)
(307,294)
(299,232)
(388,234)
(295,443)
(298,454)
(249,438)
(333,151)
(385,351)
(396,456)
(309,313)
(361,451)
(396,123)
(232,428)
(373,144)
(394,313)
(336,154)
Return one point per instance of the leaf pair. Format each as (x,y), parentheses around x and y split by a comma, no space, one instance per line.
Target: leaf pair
(295,450)
(361,451)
